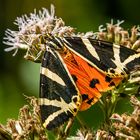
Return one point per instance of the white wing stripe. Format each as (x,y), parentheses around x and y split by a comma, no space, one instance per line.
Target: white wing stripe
(53,76)
(62,104)
(90,48)
(131,58)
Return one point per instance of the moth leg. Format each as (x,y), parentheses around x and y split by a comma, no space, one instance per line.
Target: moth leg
(68,126)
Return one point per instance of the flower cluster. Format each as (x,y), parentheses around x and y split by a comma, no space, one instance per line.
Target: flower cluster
(116,34)
(32,29)
(27,126)
(128,126)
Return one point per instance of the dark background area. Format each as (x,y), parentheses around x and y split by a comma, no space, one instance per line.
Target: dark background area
(18,76)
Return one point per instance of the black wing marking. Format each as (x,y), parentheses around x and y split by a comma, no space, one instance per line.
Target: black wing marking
(111,59)
(59,96)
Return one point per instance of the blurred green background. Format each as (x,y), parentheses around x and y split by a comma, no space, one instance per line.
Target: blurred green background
(18,77)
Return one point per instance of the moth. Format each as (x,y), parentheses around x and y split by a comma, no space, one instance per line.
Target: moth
(76,71)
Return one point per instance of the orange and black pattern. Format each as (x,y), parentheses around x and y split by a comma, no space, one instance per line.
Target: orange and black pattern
(76,71)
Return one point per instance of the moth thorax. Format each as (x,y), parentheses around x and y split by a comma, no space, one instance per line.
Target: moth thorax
(67,56)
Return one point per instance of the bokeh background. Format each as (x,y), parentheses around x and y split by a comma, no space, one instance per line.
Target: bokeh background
(18,76)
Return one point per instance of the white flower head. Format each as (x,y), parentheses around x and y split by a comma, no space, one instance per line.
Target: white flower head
(33,27)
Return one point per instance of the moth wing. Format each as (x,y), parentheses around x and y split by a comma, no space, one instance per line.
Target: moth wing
(59,97)
(113,60)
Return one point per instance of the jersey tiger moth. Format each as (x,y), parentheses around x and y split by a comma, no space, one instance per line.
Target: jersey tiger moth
(74,73)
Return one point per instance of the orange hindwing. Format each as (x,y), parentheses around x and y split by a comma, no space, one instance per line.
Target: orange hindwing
(90,82)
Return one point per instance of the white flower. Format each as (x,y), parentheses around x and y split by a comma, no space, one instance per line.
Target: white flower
(33,27)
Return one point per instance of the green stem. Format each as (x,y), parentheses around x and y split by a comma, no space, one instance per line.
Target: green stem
(108,105)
